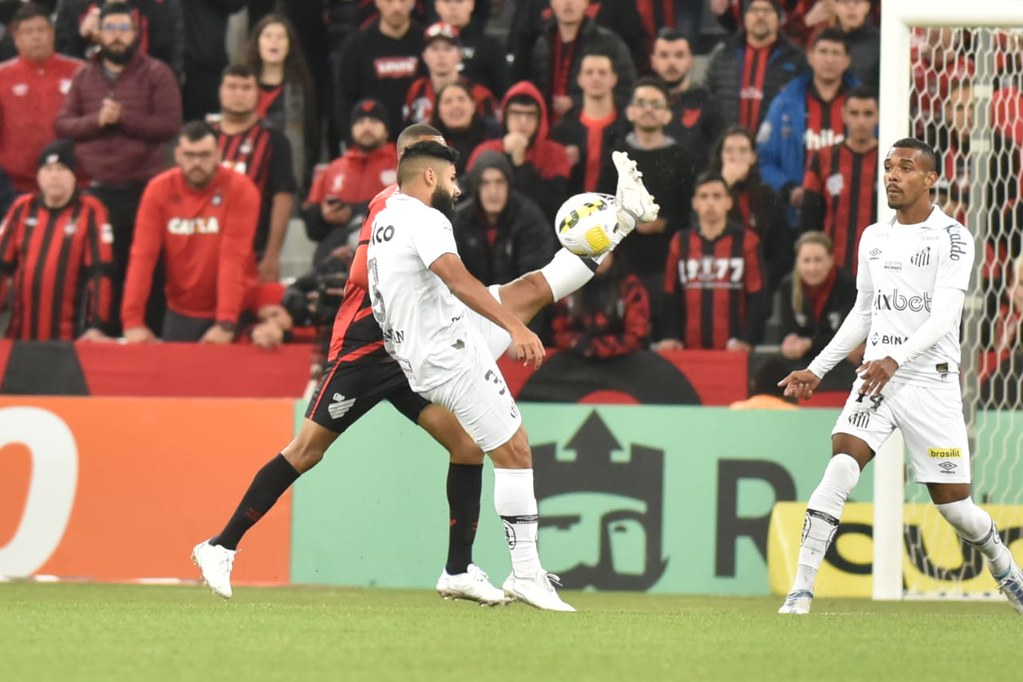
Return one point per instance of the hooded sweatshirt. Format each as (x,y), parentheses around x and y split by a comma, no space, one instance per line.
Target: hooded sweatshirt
(518,241)
(544,173)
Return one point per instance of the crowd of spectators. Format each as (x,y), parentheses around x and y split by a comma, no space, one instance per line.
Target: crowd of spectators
(758,139)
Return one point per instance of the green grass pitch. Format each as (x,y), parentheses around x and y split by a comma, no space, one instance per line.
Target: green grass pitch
(149,633)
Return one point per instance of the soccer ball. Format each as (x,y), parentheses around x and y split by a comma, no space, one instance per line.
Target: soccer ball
(584,223)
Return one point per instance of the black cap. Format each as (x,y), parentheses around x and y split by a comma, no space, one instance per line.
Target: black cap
(59,151)
(778,9)
(371,108)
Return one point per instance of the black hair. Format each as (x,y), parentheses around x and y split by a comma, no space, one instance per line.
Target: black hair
(671,34)
(193,131)
(861,92)
(831,35)
(116,8)
(426,149)
(239,70)
(926,150)
(30,10)
(600,53)
(706,179)
(651,82)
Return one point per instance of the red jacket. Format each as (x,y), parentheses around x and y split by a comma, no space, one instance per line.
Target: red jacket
(548,157)
(356,177)
(132,150)
(31,96)
(206,240)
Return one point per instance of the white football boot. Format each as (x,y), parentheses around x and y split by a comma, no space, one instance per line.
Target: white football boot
(472,585)
(215,563)
(797,602)
(1012,587)
(537,591)
(633,201)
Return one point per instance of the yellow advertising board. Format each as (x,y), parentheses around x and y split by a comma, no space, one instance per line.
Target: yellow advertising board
(934,559)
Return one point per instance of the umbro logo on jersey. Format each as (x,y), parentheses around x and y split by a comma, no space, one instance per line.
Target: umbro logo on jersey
(874,253)
(340,406)
(948,467)
(921,258)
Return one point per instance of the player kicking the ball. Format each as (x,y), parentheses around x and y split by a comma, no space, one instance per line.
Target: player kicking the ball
(360,370)
(911,284)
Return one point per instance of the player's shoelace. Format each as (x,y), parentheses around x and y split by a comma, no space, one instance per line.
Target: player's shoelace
(553,580)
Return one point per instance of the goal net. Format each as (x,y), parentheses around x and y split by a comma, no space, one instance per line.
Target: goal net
(952,74)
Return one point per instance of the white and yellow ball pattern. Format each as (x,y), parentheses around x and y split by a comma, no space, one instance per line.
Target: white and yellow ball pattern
(584,221)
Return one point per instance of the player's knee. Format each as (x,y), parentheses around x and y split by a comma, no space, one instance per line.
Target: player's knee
(465,451)
(517,453)
(304,454)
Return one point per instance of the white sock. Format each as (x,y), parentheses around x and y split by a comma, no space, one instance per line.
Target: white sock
(567,272)
(822,514)
(974,525)
(516,505)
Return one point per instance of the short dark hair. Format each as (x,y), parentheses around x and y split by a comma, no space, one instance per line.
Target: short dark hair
(651,82)
(426,149)
(831,35)
(600,53)
(708,178)
(239,71)
(30,10)
(193,131)
(523,100)
(671,34)
(861,92)
(116,8)
(926,150)
(414,132)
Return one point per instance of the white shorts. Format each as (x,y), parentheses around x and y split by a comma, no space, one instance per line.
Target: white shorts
(932,424)
(478,395)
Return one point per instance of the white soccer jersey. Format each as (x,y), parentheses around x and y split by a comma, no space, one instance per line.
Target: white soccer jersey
(422,321)
(902,266)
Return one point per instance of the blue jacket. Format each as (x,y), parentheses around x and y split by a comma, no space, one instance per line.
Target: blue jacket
(781,148)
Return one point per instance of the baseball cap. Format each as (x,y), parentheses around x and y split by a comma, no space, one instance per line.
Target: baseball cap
(371,108)
(441,31)
(58,151)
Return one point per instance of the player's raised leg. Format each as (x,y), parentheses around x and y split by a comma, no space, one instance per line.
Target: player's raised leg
(215,557)
(823,511)
(461,578)
(975,526)
(574,265)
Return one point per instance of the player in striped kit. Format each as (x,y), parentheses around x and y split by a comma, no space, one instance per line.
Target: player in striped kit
(911,284)
(57,246)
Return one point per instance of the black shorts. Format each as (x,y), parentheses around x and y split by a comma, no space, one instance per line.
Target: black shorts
(348,390)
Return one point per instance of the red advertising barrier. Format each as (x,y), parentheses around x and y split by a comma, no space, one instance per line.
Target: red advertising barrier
(121,489)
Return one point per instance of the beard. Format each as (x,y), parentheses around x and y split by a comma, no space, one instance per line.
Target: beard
(121,57)
(443,202)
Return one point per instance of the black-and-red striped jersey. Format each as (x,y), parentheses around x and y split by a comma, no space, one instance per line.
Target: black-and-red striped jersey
(824,124)
(840,198)
(356,333)
(264,155)
(61,263)
(708,284)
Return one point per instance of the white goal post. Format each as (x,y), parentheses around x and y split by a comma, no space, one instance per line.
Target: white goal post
(898,19)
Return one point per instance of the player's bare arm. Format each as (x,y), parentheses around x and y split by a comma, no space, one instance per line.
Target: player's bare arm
(525,345)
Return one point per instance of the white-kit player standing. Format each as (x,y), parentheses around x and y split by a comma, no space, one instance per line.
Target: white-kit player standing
(446,329)
(913,274)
